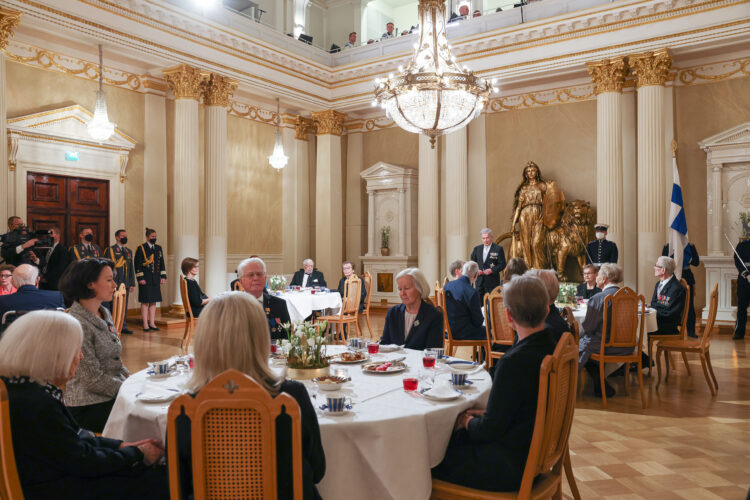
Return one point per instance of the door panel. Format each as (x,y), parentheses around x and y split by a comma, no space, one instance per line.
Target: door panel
(46,191)
(88,195)
(46,221)
(98,224)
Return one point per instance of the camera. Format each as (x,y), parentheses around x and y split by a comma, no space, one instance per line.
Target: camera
(22,234)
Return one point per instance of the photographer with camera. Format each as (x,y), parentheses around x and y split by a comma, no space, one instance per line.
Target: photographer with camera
(18,243)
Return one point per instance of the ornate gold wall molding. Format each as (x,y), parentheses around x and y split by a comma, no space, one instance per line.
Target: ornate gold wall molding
(254,113)
(608,75)
(217,90)
(379,123)
(8,21)
(303,127)
(651,68)
(329,122)
(542,98)
(185,81)
(709,73)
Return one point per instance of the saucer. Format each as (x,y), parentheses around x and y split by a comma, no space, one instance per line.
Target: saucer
(447,397)
(157,376)
(468,384)
(324,409)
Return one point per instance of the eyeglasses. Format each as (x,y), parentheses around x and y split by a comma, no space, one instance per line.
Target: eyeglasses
(659,267)
(6,276)
(254,275)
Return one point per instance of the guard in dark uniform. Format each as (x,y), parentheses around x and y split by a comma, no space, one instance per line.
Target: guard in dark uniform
(86,249)
(122,256)
(150,273)
(687,275)
(601,250)
(743,287)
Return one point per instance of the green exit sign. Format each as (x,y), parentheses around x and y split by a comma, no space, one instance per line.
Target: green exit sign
(71,156)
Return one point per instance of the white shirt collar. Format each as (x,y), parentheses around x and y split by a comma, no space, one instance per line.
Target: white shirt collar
(609,285)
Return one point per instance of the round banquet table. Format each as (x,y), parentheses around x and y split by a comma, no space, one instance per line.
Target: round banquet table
(383,448)
(301,304)
(649,325)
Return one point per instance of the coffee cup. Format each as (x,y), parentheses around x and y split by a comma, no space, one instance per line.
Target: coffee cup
(459,379)
(160,367)
(337,402)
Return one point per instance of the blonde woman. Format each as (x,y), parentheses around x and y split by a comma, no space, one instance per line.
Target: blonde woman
(415,323)
(39,353)
(234,334)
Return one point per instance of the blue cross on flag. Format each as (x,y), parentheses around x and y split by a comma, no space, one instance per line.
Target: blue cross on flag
(678,232)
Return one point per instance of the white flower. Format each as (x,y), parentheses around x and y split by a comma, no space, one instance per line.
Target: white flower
(285,342)
(311,342)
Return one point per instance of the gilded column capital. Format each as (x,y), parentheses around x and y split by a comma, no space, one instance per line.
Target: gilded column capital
(608,75)
(651,68)
(8,20)
(302,127)
(185,81)
(329,122)
(218,89)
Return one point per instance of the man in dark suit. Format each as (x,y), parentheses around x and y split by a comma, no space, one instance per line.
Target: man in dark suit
(13,253)
(464,306)
(668,298)
(687,275)
(308,276)
(29,297)
(601,250)
(86,248)
(491,260)
(53,263)
(742,263)
(122,256)
(489,447)
(252,274)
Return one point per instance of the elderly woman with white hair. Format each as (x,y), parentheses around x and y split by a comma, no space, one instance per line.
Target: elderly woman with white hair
(415,322)
(39,353)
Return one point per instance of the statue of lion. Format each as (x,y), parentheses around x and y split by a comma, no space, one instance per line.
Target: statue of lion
(570,237)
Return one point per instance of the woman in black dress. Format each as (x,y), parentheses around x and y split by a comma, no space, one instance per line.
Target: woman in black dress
(151,274)
(196,297)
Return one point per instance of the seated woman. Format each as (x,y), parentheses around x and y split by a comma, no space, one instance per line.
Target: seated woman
(39,353)
(196,297)
(91,394)
(234,334)
(516,267)
(6,279)
(415,323)
(489,447)
(588,288)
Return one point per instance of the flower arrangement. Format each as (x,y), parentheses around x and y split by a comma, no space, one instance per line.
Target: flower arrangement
(385,236)
(567,293)
(306,345)
(277,282)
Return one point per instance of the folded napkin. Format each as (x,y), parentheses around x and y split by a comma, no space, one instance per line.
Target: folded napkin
(153,394)
(389,347)
(442,389)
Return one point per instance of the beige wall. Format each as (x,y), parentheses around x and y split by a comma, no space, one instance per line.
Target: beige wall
(391,145)
(700,112)
(31,90)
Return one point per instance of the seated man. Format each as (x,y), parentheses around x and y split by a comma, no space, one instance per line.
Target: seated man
(588,288)
(489,447)
(348,268)
(308,276)
(668,298)
(554,323)
(455,269)
(464,306)
(29,297)
(252,275)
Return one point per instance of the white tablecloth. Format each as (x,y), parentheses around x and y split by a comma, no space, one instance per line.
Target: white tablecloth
(384,448)
(301,304)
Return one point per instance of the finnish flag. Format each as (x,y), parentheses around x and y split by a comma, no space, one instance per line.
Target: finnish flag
(678,232)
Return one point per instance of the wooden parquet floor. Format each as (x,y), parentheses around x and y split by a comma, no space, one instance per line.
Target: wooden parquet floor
(685,445)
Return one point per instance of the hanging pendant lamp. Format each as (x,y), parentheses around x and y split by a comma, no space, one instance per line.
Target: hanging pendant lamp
(278,159)
(99,127)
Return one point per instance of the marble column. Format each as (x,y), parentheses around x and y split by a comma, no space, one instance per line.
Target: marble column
(355,221)
(629,251)
(216,92)
(716,242)
(456,196)
(651,70)
(186,82)
(609,77)
(296,207)
(8,21)
(428,211)
(328,192)
(477,154)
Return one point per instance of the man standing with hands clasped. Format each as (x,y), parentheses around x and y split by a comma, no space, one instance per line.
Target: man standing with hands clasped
(491,260)
(742,263)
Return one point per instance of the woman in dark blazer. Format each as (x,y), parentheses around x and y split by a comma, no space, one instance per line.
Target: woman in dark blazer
(414,323)
(196,297)
(234,334)
(39,353)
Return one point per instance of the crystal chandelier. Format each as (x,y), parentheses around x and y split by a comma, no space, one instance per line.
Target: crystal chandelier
(433,95)
(278,159)
(99,127)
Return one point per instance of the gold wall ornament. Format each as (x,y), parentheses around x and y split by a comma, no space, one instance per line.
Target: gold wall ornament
(542,98)
(608,75)
(329,122)
(651,68)
(8,21)
(217,90)
(255,113)
(303,127)
(690,76)
(185,81)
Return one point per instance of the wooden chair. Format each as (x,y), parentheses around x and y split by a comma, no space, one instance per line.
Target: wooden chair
(118,308)
(446,280)
(548,454)
(682,335)
(437,295)
(10,484)
(238,287)
(699,346)
(496,323)
(349,313)
(190,320)
(449,343)
(622,327)
(567,315)
(367,283)
(233,439)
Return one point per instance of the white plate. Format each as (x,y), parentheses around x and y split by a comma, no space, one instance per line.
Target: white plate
(426,393)
(389,348)
(161,397)
(391,369)
(338,360)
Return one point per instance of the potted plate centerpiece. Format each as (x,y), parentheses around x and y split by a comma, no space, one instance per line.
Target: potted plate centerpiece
(306,350)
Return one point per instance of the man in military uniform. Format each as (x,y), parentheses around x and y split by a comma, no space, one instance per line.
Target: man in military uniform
(687,275)
(602,250)
(490,258)
(122,256)
(86,248)
(742,263)
(252,274)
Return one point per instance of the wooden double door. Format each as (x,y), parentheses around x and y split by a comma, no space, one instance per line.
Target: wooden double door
(70,203)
